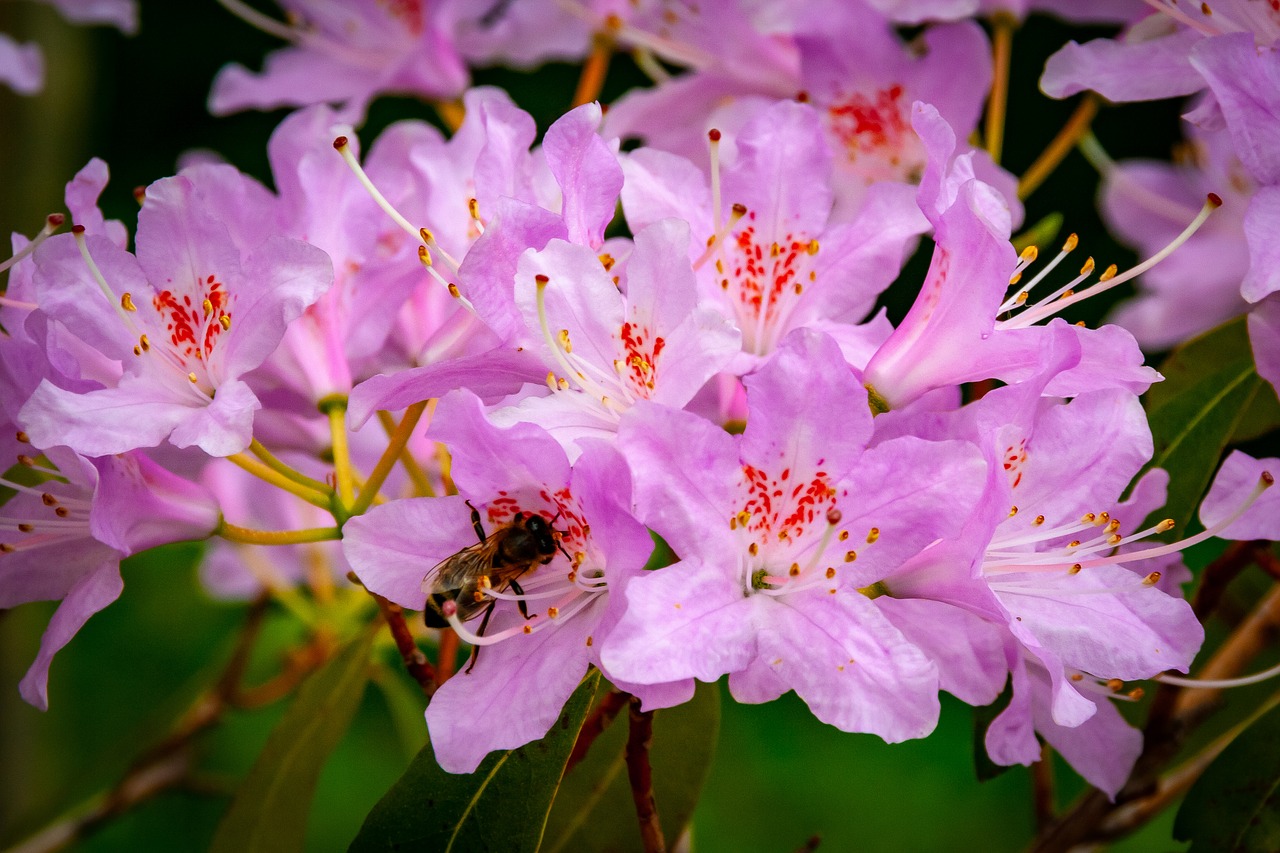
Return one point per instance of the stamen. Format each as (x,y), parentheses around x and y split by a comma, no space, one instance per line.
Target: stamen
(713,136)
(52,223)
(1219,683)
(722,231)
(1106,282)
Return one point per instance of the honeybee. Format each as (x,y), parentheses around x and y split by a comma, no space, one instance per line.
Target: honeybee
(495,562)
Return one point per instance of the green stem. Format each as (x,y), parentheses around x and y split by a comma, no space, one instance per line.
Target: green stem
(235,533)
(336,408)
(275,478)
(395,446)
(276,464)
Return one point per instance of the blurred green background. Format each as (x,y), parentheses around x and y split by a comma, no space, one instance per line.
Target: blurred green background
(780,777)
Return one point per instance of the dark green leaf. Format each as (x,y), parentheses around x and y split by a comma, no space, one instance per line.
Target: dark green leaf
(269,811)
(1235,805)
(594,810)
(983,766)
(502,806)
(1210,387)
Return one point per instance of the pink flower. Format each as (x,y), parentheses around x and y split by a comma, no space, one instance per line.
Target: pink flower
(782,533)
(545,629)
(205,301)
(346,53)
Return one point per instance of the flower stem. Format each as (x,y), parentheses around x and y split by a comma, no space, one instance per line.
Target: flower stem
(417,475)
(1057,150)
(399,438)
(276,464)
(275,478)
(1002,27)
(640,774)
(336,408)
(235,533)
(414,660)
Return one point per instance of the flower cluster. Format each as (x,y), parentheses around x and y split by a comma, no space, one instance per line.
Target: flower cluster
(565,384)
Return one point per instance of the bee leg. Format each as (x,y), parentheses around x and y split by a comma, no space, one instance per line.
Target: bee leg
(475,650)
(524,610)
(475,523)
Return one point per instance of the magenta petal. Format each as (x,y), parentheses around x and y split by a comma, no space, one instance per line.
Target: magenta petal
(587,171)
(685,621)
(1245,79)
(21,66)
(1261,224)
(512,696)
(1235,482)
(489,460)
(1264,337)
(392,547)
(223,427)
(490,375)
(110,420)
(686,471)
(808,412)
(90,594)
(967,649)
(1130,632)
(1125,70)
(849,664)
(139,505)
(1102,749)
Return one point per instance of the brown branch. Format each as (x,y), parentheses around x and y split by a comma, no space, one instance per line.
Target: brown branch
(640,774)
(613,702)
(414,660)
(1061,145)
(446,656)
(1042,788)
(1216,576)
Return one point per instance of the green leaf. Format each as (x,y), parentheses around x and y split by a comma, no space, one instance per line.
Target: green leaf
(983,715)
(269,811)
(1211,394)
(501,806)
(594,810)
(1235,805)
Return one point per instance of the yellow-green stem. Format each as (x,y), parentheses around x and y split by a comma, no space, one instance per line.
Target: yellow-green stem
(236,533)
(399,439)
(276,464)
(417,475)
(336,409)
(1002,27)
(275,478)
(1057,150)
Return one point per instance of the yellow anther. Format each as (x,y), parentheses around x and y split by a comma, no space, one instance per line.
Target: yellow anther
(1075,570)
(1029,254)
(1088,266)
(1013,510)
(794,571)
(1072,241)
(553,612)
(850,556)
(813,247)
(873,535)
(194,379)
(1108,274)
(753,549)
(1015,278)
(225,322)
(207,306)
(1151,579)
(831,573)
(563,339)
(1039,520)
(144,343)
(126,302)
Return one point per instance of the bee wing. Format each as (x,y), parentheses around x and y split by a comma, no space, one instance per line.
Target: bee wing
(456,570)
